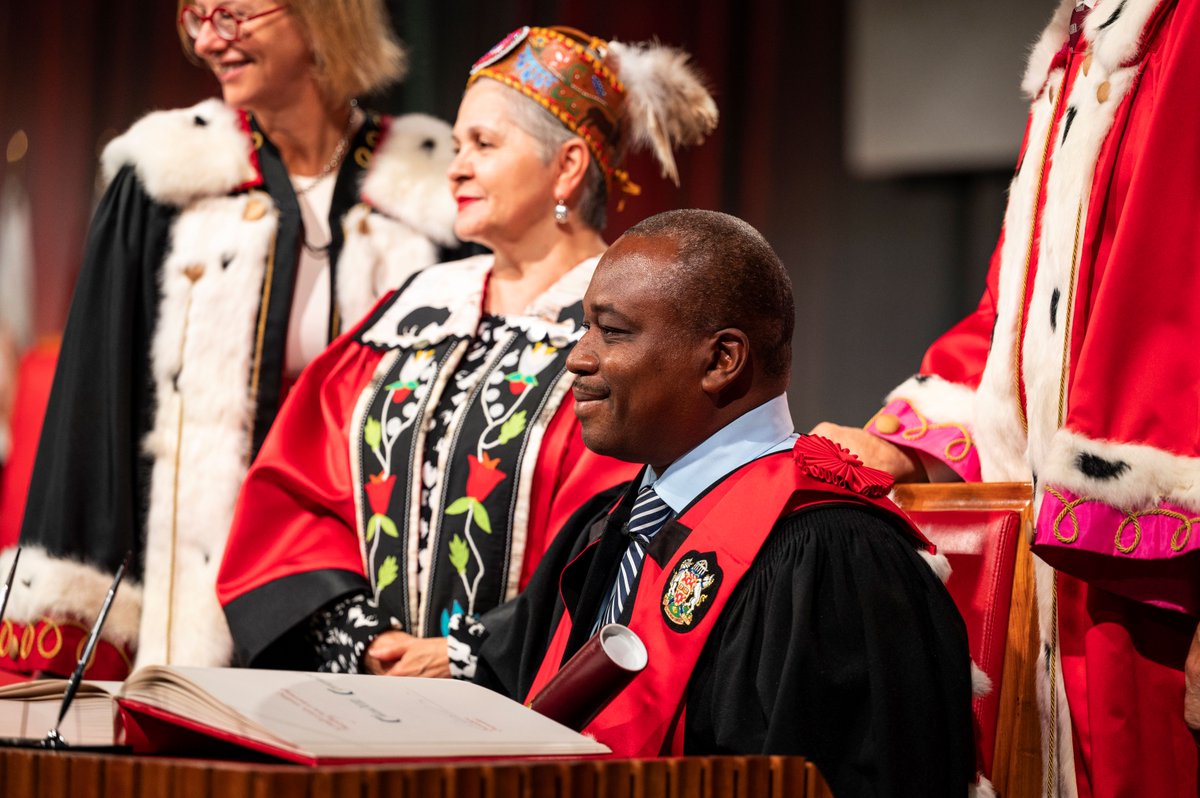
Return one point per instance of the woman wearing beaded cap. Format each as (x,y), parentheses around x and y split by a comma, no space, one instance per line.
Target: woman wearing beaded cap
(234,241)
(450,452)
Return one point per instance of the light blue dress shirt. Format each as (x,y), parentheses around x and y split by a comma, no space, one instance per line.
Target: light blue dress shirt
(763,430)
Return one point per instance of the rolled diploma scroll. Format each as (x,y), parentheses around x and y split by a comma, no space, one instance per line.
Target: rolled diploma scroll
(598,672)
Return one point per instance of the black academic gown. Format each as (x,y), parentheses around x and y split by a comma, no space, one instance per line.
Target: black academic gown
(839,644)
(89,491)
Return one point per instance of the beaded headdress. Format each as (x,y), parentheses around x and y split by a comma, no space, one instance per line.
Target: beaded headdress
(611,95)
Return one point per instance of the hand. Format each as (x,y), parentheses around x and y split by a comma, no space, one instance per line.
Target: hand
(1191,679)
(400,654)
(874,451)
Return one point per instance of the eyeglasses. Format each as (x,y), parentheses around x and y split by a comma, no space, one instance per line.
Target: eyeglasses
(227,24)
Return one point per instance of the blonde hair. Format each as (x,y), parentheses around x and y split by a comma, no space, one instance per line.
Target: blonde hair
(354,49)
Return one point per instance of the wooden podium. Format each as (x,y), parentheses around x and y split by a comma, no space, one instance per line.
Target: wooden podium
(1011,734)
(45,774)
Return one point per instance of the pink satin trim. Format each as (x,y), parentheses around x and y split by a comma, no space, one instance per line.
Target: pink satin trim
(1152,555)
(949,443)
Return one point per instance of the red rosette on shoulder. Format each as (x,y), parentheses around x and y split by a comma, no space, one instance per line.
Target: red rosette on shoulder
(825,460)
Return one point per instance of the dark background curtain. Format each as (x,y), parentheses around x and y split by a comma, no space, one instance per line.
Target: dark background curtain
(880,266)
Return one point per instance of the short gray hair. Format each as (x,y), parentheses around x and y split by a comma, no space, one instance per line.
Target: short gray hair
(550,134)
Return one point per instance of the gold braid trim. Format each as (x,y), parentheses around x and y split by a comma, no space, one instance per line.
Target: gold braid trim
(1067,510)
(1179,538)
(32,638)
(49,653)
(955,451)
(8,640)
(1068,320)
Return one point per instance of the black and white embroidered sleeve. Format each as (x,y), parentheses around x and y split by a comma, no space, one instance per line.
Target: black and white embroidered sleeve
(341,632)
(466,636)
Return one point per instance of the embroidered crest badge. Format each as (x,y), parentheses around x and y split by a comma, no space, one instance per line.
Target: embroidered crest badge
(695,580)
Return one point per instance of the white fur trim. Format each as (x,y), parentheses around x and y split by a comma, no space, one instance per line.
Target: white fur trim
(177,159)
(58,588)
(1064,758)
(982,788)
(1068,191)
(1001,441)
(1044,49)
(378,254)
(981,683)
(1152,476)
(201,364)
(938,563)
(938,400)
(1112,46)
(407,178)
(1119,42)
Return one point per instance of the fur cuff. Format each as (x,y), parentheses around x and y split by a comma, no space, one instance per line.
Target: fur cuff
(407,179)
(1129,476)
(937,399)
(184,154)
(47,586)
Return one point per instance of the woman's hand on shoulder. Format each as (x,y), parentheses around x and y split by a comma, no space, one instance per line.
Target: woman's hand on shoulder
(397,653)
(874,451)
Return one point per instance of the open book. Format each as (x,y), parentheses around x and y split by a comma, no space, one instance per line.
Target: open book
(29,709)
(325,718)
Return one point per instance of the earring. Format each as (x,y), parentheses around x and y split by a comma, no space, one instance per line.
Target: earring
(560,211)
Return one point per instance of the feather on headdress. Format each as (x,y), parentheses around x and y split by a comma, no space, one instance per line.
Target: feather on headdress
(667,103)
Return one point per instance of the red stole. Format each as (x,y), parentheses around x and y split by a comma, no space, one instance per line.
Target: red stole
(728,527)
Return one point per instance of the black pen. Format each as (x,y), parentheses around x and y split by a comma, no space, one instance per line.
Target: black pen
(8,582)
(54,738)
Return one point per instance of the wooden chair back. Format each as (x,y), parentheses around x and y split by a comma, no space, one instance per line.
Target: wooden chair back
(984,531)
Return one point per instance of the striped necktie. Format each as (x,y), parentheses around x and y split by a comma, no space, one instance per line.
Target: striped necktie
(648,516)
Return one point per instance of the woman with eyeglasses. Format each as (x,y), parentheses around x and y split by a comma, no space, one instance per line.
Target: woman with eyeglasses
(425,461)
(235,240)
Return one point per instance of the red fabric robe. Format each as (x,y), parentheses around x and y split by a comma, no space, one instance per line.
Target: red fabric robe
(300,535)
(1078,371)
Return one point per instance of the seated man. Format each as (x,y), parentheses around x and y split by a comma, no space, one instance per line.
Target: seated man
(784,602)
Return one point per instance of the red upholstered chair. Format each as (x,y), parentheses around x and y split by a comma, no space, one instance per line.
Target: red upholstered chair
(982,529)
(34,375)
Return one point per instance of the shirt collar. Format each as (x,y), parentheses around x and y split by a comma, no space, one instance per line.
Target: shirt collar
(765,429)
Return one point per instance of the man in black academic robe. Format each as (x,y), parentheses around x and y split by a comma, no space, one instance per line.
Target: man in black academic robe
(838,641)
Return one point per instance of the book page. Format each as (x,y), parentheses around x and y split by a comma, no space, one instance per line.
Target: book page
(89,721)
(332,716)
(47,688)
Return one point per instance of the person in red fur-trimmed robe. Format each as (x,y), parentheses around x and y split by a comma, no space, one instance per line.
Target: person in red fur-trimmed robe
(1078,372)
